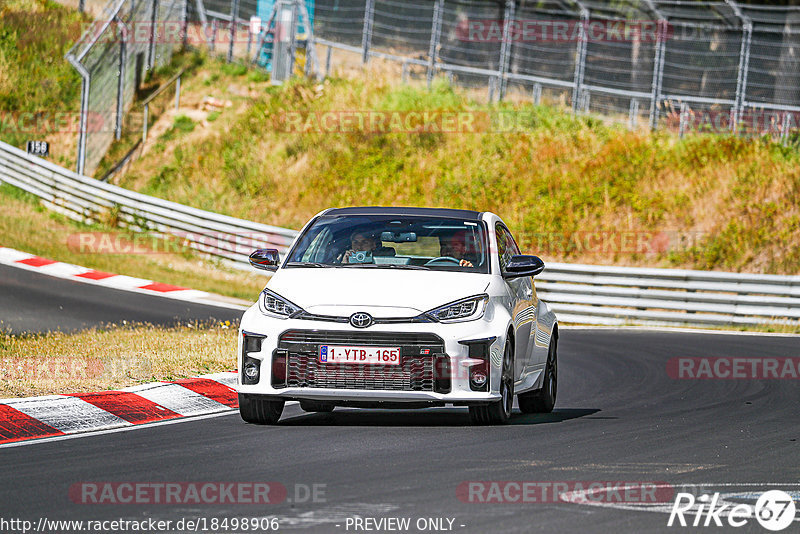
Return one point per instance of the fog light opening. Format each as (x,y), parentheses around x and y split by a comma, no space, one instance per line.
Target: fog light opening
(251,371)
(478,378)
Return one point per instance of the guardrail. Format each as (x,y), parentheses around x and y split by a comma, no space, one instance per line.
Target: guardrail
(587,294)
(87,200)
(596,294)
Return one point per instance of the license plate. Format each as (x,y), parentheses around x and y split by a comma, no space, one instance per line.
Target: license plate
(359,355)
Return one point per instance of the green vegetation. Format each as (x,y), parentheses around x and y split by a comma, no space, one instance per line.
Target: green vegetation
(27,226)
(571,187)
(38,87)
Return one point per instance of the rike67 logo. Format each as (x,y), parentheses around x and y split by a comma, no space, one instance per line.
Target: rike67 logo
(774,510)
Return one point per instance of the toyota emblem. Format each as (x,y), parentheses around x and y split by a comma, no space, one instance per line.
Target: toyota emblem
(361,320)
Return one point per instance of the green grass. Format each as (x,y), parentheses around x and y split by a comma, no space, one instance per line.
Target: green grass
(554,177)
(27,226)
(34,76)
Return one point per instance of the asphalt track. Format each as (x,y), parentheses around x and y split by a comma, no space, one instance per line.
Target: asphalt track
(619,417)
(35,302)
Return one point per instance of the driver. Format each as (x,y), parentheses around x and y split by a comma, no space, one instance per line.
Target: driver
(366,241)
(455,246)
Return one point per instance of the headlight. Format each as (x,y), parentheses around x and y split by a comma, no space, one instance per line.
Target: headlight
(468,309)
(275,305)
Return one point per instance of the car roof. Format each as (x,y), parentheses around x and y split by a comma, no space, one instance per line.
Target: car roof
(387,210)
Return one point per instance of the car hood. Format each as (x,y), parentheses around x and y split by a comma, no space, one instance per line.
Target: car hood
(382,292)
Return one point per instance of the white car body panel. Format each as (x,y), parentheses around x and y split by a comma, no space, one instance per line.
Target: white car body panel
(385,293)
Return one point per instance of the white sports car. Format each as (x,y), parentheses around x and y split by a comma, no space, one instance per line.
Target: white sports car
(399,308)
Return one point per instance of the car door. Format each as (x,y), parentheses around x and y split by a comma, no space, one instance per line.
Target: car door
(521,293)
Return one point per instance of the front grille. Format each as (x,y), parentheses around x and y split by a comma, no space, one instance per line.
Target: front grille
(338,337)
(417,370)
(413,374)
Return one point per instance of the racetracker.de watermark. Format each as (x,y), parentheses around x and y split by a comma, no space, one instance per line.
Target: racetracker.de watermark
(175,32)
(734,368)
(374,121)
(605,242)
(180,242)
(70,368)
(202,493)
(580,491)
(50,122)
(562,31)
(755,121)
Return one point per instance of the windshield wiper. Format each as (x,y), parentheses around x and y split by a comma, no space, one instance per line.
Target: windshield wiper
(307,264)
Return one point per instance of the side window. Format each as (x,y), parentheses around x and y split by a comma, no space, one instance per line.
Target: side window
(505,246)
(513,243)
(501,245)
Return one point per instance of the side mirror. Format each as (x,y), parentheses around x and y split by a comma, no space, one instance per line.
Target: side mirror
(522,265)
(266,259)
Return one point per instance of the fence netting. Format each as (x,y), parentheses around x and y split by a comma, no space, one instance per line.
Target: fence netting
(114,55)
(716,66)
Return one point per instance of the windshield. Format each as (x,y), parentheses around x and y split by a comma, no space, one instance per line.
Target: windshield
(392,242)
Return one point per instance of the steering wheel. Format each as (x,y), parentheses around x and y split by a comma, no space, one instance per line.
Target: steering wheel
(443,259)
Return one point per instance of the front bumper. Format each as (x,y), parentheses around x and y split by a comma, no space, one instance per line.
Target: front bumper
(451,345)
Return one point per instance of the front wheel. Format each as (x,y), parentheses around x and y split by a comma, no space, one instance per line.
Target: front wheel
(256,410)
(498,413)
(544,399)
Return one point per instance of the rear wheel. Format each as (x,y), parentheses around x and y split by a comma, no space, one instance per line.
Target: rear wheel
(259,411)
(498,413)
(314,406)
(544,399)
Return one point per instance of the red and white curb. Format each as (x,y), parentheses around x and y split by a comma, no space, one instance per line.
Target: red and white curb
(31,262)
(60,415)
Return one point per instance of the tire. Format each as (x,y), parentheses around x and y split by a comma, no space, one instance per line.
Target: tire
(498,413)
(543,400)
(315,406)
(258,411)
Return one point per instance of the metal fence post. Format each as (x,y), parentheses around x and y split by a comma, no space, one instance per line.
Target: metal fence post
(436,32)
(658,70)
(151,49)
(633,113)
(744,65)
(82,6)
(785,128)
(328,57)
(537,93)
(580,60)
(234,16)
(146,117)
(123,59)
(185,22)
(86,81)
(683,118)
(178,93)
(505,46)
(293,39)
(741,81)
(366,35)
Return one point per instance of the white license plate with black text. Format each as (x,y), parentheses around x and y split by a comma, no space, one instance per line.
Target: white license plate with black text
(360,355)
